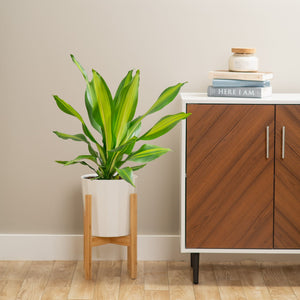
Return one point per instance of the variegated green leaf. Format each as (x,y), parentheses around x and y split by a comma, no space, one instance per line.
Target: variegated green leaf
(81,157)
(167,96)
(92,108)
(104,100)
(135,168)
(125,108)
(126,174)
(102,153)
(134,127)
(90,98)
(98,171)
(81,69)
(67,108)
(126,80)
(66,163)
(92,151)
(147,153)
(123,146)
(76,137)
(163,126)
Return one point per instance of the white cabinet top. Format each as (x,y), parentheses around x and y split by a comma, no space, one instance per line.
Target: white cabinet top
(274,99)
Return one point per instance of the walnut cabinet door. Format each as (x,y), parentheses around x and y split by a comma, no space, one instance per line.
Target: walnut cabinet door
(287,177)
(229,176)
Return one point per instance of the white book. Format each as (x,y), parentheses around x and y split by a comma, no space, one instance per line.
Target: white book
(259,76)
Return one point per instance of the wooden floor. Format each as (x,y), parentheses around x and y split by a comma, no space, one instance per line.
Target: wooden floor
(156,280)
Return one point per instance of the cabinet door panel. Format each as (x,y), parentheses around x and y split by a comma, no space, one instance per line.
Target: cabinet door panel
(229,185)
(287,178)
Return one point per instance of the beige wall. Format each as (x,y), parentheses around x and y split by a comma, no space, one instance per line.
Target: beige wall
(168,40)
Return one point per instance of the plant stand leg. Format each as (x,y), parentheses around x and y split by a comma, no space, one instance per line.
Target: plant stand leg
(87,237)
(92,241)
(195,266)
(132,248)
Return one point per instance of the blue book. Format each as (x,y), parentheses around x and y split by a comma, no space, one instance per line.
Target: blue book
(242,92)
(240,83)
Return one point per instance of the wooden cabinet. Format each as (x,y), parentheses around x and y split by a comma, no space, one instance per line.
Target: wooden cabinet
(229,187)
(287,177)
(240,179)
(242,191)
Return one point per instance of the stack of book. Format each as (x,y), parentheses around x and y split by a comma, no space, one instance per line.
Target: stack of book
(240,84)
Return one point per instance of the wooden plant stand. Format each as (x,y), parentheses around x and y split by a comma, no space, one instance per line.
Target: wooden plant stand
(128,240)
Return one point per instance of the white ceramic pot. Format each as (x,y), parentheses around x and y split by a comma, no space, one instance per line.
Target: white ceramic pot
(110,205)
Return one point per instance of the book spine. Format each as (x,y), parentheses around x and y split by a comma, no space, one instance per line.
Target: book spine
(242,92)
(239,83)
(258,76)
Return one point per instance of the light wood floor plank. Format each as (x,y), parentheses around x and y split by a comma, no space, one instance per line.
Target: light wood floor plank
(15,273)
(156,275)
(229,282)
(9,289)
(3,269)
(17,270)
(132,289)
(81,288)
(292,272)
(108,280)
(277,283)
(62,274)
(207,289)
(36,280)
(253,281)
(57,293)
(62,280)
(157,295)
(180,281)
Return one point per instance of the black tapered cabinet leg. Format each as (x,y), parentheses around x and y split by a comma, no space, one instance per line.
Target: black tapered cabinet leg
(195,266)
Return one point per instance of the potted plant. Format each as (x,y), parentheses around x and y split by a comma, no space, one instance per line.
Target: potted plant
(111,145)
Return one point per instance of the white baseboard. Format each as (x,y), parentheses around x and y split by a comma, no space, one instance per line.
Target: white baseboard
(70,247)
(150,247)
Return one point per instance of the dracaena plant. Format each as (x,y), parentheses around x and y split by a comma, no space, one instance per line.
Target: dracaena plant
(116,127)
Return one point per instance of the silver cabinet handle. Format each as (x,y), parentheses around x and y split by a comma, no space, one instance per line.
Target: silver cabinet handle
(283,142)
(267,141)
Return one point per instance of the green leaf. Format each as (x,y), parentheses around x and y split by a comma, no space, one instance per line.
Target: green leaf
(92,108)
(126,107)
(135,168)
(123,146)
(164,125)
(167,96)
(104,100)
(67,108)
(126,80)
(79,158)
(127,174)
(65,162)
(101,152)
(96,171)
(147,153)
(90,98)
(92,151)
(81,69)
(88,133)
(76,137)
(134,127)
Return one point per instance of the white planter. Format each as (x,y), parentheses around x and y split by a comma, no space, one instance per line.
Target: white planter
(110,205)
